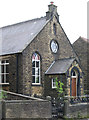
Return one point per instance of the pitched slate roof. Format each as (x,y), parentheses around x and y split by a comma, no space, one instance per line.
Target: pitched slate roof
(60,66)
(15,38)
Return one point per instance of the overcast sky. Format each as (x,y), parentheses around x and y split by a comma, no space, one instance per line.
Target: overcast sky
(73,14)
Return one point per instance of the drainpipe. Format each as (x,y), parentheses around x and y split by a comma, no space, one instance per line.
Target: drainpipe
(17,77)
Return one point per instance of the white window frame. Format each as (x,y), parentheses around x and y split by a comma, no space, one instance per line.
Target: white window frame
(35,72)
(5,73)
(53,82)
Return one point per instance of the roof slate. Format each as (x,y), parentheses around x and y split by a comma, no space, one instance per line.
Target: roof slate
(15,38)
(60,66)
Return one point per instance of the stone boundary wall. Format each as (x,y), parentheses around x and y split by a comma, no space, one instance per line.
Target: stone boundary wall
(24,109)
(80,110)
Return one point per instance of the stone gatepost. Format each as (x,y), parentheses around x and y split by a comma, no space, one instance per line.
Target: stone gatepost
(66,106)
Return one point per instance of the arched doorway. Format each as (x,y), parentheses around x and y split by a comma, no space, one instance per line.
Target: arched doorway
(75,82)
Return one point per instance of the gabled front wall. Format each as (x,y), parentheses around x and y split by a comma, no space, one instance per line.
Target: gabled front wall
(41,44)
(20,71)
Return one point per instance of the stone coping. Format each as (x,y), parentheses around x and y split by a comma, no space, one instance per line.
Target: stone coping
(77,104)
(23,101)
(23,96)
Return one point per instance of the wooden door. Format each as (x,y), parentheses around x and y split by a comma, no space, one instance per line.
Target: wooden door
(73,86)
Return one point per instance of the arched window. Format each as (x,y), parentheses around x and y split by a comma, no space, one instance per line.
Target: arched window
(35,69)
(74,74)
(54,28)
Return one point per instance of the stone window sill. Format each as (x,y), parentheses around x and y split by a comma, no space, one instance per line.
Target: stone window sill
(36,84)
(4,84)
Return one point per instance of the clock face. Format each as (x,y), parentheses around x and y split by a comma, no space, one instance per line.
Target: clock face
(54,46)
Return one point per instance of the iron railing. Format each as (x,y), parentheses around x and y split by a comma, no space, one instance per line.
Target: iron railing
(78,99)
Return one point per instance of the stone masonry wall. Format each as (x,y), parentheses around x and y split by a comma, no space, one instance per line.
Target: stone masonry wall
(77,111)
(48,90)
(20,65)
(41,44)
(26,109)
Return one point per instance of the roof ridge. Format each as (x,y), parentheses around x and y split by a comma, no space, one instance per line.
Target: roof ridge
(22,22)
(86,39)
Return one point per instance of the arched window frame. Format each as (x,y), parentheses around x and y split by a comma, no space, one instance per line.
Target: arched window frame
(36,69)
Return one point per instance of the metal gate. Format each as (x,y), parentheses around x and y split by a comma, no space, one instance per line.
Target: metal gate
(57,108)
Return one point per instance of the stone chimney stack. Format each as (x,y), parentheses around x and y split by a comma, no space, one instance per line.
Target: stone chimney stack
(52,11)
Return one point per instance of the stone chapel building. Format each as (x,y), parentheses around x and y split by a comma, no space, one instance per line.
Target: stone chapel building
(34,53)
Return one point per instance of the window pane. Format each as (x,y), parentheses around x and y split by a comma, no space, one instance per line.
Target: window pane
(3,78)
(2,68)
(3,61)
(33,71)
(0,78)
(36,73)
(7,61)
(33,79)
(37,64)
(37,79)
(73,73)
(33,64)
(53,83)
(7,77)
